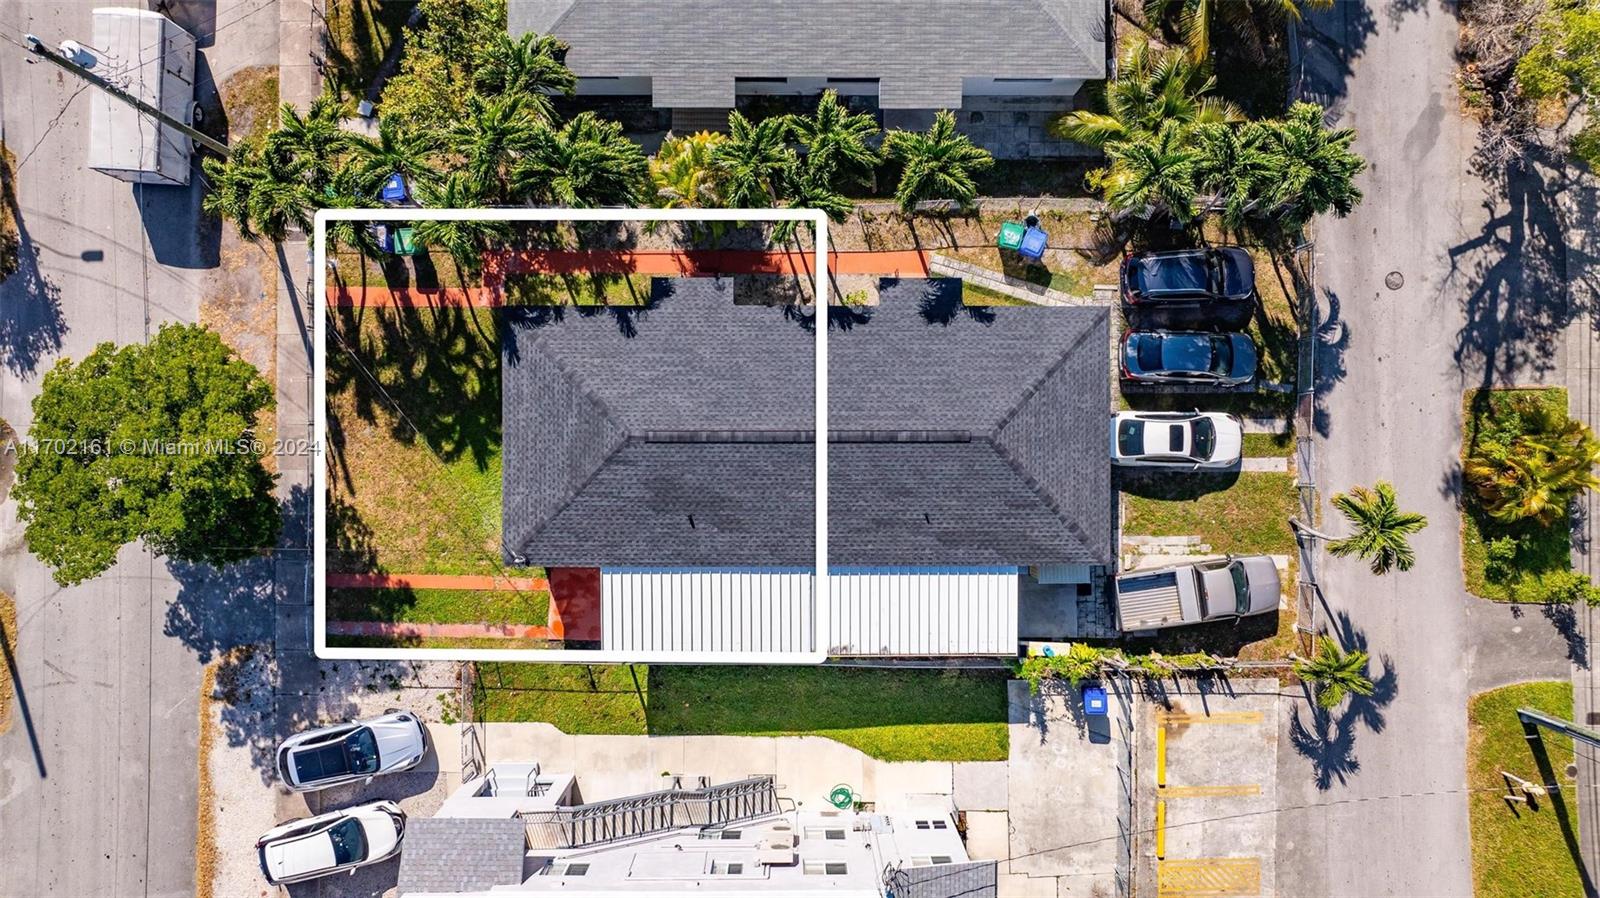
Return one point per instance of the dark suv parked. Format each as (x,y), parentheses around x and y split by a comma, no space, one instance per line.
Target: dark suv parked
(1189,287)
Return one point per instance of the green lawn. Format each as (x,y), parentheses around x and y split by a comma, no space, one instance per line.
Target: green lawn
(1238,513)
(896,715)
(975,295)
(1543,548)
(578,289)
(359,33)
(1269,445)
(440,606)
(1521,849)
(415,465)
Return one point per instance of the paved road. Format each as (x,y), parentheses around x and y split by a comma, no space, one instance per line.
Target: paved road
(97,782)
(1374,796)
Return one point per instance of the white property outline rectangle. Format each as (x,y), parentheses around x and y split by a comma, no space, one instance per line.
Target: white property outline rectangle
(319,471)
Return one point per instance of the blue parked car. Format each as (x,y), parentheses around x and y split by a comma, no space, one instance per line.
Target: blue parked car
(1188,357)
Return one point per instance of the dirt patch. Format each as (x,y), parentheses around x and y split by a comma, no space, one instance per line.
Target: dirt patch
(250,101)
(205,840)
(8,622)
(10,238)
(240,304)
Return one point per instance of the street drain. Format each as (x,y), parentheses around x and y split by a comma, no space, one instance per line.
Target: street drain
(1394,280)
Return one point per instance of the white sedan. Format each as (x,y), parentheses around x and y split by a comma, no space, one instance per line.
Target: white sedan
(1194,440)
(352,752)
(329,843)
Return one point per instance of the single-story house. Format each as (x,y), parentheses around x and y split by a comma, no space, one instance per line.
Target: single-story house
(673,447)
(909,58)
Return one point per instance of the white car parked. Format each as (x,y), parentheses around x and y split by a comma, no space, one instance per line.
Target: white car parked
(351,752)
(1193,440)
(328,843)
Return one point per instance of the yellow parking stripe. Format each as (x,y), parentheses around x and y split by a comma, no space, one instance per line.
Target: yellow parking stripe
(1209,877)
(1175,718)
(1210,791)
(1161,828)
(1161,757)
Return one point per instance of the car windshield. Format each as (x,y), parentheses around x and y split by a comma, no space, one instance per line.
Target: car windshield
(1205,438)
(1130,437)
(1221,355)
(361,751)
(349,842)
(1241,588)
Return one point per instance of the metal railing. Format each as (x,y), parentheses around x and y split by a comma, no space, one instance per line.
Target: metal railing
(653,812)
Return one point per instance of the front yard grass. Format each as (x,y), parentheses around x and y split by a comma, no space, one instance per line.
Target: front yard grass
(415,460)
(1542,548)
(10,238)
(1521,849)
(440,606)
(360,33)
(978,295)
(894,715)
(1269,445)
(1238,514)
(585,289)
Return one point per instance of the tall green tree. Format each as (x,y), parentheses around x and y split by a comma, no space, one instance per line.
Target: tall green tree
(258,193)
(1151,176)
(147,442)
(396,149)
(683,174)
(1235,167)
(490,138)
(1564,64)
(1380,526)
(438,69)
(1334,674)
(752,163)
(1314,167)
(1152,87)
(584,163)
(838,142)
(309,145)
(1535,472)
(530,66)
(464,239)
(1196,18)
(938,164)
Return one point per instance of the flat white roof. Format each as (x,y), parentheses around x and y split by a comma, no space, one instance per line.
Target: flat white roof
(150,57)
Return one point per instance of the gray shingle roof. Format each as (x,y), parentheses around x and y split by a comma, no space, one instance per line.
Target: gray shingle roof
(919,49)
(461,854)
(971,880)
(682,435)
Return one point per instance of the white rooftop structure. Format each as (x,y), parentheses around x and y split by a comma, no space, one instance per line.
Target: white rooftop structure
(150,57)
(737,839)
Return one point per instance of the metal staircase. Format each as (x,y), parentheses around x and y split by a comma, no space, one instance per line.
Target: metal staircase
(653,812)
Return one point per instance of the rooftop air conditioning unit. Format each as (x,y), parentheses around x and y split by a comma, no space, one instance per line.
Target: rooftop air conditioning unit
(776,857)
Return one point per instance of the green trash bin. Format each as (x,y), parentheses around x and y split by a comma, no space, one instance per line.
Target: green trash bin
(1011,235)
(403,242)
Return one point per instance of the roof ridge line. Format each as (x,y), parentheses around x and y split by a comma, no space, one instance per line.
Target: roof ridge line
(616,447)
(1033,388)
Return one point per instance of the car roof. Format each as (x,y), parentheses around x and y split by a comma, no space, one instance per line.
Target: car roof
(1187,272)
(295,855)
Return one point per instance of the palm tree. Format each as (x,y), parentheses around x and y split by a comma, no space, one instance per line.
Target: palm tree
(259,192)
(1334,673)
(836,141)
(1381,528)
(1316,169)
(753,161)
(1194,17)
(586,162)
(1539,475)
(937,164)
(1151,176)
(495,131)
(531,66)
(309,145)
(1152,87)
(1234,167)
(809,185)
(682,172)
(396,149)
(231,181)
(464,240)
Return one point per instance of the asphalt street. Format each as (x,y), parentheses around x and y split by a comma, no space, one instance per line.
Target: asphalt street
(98,777)
(1373,796)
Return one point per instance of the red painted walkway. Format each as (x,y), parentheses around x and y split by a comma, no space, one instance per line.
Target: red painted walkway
(574,605)
(669,263)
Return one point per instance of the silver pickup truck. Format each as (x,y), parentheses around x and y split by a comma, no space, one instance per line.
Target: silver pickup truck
(1224,588)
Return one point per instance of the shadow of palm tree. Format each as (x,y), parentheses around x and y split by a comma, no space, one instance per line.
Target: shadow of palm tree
(1328,741)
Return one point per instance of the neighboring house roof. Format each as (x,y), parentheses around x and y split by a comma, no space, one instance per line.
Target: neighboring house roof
(682,434)
(458,854)
(919,51)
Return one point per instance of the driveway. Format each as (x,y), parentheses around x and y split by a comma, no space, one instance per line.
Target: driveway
(1372,795)
(98,779)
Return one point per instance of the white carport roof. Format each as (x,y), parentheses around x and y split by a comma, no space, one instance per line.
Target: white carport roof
(871,611)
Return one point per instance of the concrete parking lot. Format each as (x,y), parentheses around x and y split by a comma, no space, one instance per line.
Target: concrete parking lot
(1207,790)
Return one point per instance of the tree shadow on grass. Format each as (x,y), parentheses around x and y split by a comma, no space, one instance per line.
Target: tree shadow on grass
(1173,485)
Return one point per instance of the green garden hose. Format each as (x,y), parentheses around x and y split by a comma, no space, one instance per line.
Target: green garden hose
(842,797)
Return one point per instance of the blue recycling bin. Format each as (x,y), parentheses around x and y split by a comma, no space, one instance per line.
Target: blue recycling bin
(394,191)
(1033,244)
(1094,701)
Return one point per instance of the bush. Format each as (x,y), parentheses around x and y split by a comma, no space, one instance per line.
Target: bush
(1501,566)
(1530,460)
(1556,588)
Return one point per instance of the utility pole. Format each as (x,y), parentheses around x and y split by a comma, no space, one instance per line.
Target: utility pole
(1532,720)
(39,49)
